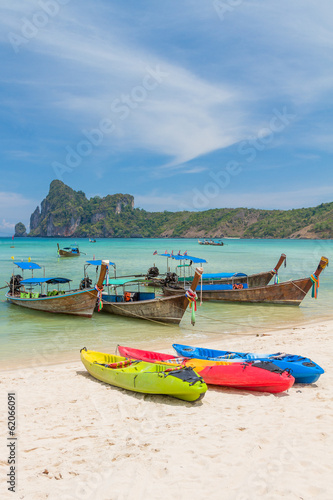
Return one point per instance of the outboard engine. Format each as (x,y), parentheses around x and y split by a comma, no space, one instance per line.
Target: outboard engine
(15,283)
(153,272)
(170,278)
(86,283)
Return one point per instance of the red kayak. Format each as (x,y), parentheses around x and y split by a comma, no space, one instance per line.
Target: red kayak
(260,376)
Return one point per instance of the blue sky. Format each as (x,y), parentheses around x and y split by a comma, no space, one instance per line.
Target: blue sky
(186,105)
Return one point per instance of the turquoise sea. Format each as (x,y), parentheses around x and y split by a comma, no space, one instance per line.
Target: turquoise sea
(31,338)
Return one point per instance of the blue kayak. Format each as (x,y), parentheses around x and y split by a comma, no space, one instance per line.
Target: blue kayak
(304,370)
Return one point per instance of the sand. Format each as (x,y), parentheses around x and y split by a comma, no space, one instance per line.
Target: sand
(81,439)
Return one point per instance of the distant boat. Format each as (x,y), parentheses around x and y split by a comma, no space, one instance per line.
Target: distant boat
(92,240)
(72,251)
(217,243)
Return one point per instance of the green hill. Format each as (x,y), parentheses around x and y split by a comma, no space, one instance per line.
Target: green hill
(65,212)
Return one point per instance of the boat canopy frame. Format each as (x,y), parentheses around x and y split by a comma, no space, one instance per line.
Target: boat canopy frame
(44,281)
(121,283)
(182,258)
(97,263)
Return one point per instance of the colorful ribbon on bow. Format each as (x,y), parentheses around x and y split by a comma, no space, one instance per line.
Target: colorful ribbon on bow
(192,298)
(99,298)
(276,277)
(315,285)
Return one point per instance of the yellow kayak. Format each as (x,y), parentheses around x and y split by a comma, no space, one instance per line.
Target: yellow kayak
(148,378)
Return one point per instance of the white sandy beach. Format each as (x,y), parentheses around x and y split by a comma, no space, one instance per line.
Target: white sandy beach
(82,439)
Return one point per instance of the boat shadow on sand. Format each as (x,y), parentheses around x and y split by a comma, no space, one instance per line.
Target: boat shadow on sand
(153,398)
(245,392)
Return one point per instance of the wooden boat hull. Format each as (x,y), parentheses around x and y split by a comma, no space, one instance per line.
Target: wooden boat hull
(81,303)
(163,309)
(68,252)
(63,253)
(287,293)
(253,280)
(147,378)
(243,375)
(304,370)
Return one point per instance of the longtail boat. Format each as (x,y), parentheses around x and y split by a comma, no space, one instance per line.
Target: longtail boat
(72,251)
(263,376)
(252,280)
(290,292)
(147,378)
(146,305)
(304,370)
(76,302)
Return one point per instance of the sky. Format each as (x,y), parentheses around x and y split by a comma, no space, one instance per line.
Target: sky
(186,105)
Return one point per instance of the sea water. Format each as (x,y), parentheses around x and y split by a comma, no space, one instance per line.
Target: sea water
(31,338)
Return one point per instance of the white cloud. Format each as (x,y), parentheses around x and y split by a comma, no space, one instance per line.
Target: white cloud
(194,170)
(197,107)
(185,116)
(14,208)
(6,225)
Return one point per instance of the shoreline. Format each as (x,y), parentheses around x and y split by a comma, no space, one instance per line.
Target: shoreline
(161,238)
(80,438)
(206,338)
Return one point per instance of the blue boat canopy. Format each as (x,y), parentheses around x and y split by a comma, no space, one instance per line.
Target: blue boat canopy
(217,276)
(39,281)
(27,265)
(98,262)
(179,257)
(196,260)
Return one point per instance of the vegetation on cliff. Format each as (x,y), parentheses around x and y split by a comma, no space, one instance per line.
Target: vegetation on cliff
(65,212)
(20,230)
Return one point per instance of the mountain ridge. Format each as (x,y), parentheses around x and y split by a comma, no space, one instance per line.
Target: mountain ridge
(68,213)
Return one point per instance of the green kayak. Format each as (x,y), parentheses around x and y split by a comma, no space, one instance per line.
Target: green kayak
(140,376)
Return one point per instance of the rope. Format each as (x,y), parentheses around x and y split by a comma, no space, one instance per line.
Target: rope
(183,327)
(291,281)
(133,314)
(138,315)
(229,322)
